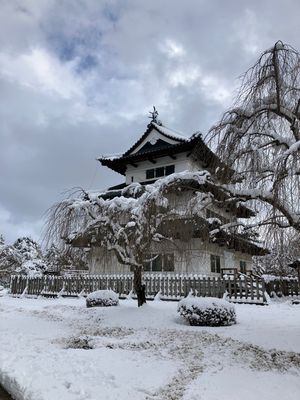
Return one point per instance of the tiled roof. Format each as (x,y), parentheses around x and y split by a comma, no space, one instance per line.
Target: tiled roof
(167,132)
(119,164)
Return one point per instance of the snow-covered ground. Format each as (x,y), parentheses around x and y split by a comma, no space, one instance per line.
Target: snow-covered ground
(59,349)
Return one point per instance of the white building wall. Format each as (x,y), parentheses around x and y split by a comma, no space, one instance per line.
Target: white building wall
(101,262)
(138,174)
(189,258)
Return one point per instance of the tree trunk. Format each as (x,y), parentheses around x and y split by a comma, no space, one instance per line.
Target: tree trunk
(138,286)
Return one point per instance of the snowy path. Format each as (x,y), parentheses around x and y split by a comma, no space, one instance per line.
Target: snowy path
(59,349)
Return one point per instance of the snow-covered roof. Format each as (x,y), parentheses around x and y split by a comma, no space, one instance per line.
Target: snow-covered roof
(111,156)
(157,141)
(169,132)
(166,132)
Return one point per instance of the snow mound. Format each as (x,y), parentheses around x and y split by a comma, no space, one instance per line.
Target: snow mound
(102,298)
(3,291)
(207,311)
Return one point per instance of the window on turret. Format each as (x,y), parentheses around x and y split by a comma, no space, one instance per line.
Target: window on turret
(170,169)
(150,174)
(160,171)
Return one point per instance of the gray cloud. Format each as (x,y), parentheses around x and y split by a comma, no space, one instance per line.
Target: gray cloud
(78,78)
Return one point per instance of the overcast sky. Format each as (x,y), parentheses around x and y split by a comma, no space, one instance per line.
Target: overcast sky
(77,79)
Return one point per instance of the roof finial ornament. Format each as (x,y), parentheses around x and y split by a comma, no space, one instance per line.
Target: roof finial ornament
(153,115)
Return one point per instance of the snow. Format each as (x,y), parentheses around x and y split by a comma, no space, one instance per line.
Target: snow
(292,149)
(270,278)
(239,384)
(58,348)
(103,294)
(202,303)
(169,132)
(200,177)
(34,267)
(111,156)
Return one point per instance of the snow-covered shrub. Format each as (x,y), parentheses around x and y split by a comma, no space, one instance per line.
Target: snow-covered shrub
(102,298)
(24,256)
(207,311)
(34,267)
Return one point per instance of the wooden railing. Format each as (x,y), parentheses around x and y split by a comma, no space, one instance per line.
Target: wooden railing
(167,287)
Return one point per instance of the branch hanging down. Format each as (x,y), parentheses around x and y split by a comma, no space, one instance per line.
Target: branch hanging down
(260,136)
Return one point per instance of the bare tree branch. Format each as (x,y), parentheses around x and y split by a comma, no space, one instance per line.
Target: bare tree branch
(259,137)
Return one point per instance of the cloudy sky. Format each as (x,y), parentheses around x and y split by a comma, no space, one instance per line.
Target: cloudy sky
(77,79)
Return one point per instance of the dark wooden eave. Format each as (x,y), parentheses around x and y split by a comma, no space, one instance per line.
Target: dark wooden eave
(239,243)
(118,187)
(119,164)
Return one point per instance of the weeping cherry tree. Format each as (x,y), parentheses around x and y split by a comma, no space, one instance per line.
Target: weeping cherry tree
(129,224)
(259,138)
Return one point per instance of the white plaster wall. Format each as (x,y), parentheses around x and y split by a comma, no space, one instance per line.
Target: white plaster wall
(192,257)
(101,262)
(238,256)
(197,261)
(139,173)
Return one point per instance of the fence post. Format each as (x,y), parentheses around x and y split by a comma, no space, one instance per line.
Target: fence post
(263,288)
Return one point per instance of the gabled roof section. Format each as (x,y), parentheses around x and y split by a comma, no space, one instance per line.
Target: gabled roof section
(167,135)
(157,141)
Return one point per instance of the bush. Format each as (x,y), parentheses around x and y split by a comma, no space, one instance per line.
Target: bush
(102,298)
(207,311)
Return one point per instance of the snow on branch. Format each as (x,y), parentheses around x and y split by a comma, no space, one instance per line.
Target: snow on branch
(259,137)
(129,223)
